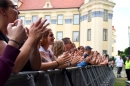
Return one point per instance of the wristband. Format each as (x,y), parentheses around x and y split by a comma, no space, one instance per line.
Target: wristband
(14,41)
(57,64)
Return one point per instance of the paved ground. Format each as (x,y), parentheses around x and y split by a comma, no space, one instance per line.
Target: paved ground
(123,74)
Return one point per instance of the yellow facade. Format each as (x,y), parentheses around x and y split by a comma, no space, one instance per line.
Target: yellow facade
(90,32)
(114,52)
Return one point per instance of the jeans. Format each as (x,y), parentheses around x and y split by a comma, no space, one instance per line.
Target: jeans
(119,69)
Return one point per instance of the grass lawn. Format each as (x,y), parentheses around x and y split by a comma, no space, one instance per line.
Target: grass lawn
(120,82)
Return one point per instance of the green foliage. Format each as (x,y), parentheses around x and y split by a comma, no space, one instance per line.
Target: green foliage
(123,57)
(120,52)
(126,51)
(112,58)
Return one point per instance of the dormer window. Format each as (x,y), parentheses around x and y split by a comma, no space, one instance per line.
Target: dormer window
(47,4)
(15,0)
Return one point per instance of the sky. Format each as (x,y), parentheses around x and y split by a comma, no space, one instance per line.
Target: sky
(121,21)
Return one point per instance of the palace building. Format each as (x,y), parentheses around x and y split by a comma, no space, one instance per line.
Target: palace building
(85,22)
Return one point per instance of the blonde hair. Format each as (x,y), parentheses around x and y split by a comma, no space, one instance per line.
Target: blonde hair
(58,48)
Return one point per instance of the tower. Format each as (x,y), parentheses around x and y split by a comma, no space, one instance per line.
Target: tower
(96,25)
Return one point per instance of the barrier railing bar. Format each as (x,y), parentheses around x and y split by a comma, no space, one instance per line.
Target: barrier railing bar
(88,76)
(67,79)
(83,77)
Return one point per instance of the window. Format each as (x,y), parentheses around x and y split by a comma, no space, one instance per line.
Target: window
(34,19)
(59,35)
(47,4)
(60,19)
(112,49)
(15,0)
(105,15)
(76,19)
(89,35)
(89,15)
(48,18)
(22,18)
(105,34)
(104,51)
(75,36)
(28,22)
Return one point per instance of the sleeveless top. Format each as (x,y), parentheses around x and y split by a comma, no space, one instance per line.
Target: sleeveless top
(49,54)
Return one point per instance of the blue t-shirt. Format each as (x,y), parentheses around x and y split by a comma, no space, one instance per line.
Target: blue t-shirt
(83,63)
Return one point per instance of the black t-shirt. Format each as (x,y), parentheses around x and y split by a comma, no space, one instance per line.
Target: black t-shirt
(27,66)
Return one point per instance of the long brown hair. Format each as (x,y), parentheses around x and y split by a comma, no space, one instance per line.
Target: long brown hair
(44,38)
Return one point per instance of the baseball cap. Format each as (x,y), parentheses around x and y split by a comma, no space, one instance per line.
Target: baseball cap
(87,47)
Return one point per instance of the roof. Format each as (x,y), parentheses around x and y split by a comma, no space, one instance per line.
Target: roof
(113,28)
(39,4)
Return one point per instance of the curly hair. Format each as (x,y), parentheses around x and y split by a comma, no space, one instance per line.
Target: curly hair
(58,48)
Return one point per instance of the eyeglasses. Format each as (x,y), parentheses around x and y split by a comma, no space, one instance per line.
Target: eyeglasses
(14,6)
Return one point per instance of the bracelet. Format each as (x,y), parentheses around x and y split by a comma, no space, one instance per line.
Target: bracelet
(14,41)
(57,64)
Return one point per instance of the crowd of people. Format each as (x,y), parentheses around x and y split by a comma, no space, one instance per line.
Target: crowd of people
(34,48)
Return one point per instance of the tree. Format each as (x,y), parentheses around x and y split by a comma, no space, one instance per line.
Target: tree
(123,57)
(112,59)
(126,52)
(118,52)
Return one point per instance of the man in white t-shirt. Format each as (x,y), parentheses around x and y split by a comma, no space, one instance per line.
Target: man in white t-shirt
(119,64)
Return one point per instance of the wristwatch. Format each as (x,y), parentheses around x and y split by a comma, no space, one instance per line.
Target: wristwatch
(69,64)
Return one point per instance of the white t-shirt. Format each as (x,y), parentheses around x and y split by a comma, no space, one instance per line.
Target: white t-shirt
(119,62)
(48,53)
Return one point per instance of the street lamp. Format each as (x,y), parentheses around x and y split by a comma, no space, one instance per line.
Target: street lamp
(129,34)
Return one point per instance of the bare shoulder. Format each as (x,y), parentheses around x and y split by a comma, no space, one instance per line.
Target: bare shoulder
(3,44)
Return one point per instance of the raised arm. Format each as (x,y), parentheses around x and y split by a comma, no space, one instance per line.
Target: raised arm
(35,33)
(11,51)
(35,58)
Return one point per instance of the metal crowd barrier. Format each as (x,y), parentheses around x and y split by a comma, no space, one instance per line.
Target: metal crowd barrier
(75,76)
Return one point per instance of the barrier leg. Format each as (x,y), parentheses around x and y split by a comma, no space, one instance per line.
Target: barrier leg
(48,79)
(89,77)
(31,80)
(67,79)
(95,76)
